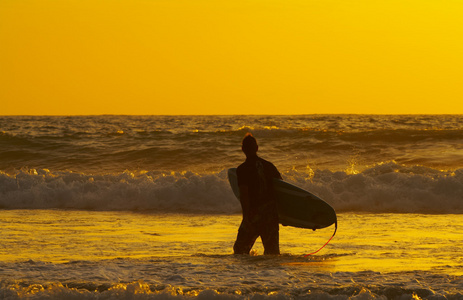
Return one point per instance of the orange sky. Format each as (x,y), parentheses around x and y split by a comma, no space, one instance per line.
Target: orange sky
(230,57)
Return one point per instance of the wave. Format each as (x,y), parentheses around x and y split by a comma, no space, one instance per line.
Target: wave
(130,149)
(141,290)
(143,191)
(383,188)
(363,133)
(388,188)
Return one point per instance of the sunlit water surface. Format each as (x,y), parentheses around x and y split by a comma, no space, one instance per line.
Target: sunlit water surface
(91,253)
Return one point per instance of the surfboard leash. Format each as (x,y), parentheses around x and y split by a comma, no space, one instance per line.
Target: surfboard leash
(335,229)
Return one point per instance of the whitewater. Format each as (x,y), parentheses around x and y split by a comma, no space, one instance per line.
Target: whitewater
(139,207)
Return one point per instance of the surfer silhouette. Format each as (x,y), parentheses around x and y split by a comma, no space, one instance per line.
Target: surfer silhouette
(258,202)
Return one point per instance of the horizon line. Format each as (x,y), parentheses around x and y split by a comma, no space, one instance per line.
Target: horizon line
(202,115)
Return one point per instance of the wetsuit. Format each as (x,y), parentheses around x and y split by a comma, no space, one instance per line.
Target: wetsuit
(261,219)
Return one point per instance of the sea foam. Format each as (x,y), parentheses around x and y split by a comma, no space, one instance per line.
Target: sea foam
(384,188)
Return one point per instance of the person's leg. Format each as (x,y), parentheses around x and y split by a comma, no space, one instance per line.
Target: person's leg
(271,239)
(245,240)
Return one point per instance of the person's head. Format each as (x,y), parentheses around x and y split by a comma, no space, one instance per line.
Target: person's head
(249,145)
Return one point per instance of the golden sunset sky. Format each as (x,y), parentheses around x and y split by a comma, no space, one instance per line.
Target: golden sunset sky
(74,57)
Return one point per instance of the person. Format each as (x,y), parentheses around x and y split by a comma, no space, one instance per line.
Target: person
(258,202)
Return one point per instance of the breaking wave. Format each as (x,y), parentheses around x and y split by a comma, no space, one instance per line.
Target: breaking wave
(383,188)
(142,290)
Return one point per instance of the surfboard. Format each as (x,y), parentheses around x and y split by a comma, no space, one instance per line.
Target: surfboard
(296,207)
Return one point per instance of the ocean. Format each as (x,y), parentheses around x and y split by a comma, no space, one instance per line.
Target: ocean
(139,207)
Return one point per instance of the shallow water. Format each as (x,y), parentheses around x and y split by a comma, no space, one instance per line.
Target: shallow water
(93,254)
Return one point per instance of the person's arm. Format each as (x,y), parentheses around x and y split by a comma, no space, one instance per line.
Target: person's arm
(244,199)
